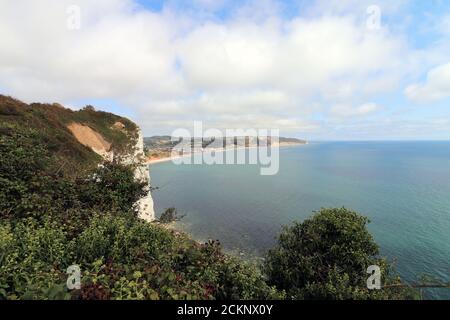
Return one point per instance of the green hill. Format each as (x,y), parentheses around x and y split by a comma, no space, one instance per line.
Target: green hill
(49,123)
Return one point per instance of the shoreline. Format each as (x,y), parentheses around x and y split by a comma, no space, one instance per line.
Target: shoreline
(166,159)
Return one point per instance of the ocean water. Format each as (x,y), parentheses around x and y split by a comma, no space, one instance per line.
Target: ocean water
(403,187)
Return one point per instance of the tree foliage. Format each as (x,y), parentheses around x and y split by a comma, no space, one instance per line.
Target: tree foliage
(326,257)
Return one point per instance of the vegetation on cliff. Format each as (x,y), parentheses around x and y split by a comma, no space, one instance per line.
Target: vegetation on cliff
(50,122)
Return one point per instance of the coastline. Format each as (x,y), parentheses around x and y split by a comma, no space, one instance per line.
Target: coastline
(166,159)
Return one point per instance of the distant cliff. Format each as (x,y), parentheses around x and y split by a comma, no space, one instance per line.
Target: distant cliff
(82,139)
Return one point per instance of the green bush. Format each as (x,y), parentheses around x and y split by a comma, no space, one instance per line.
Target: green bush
(170,215)
(149,261)
(32,260)
(326,257)
(110,187)
(122,240)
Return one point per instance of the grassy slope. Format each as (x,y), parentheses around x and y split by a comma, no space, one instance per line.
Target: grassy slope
(50,122)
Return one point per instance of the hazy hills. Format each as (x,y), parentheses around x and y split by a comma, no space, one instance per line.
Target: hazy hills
(164,144)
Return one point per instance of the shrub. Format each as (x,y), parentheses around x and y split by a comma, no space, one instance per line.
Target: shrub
(32,258)
(122,240)
(110,187)
(134,259)
(170,215)
(326,257)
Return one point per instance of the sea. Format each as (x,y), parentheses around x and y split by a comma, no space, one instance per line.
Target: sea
(402,187)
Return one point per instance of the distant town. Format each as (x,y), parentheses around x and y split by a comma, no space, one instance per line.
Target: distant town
(161,147)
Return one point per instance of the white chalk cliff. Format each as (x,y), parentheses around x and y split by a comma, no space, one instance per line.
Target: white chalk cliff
(88,137)
(142,173)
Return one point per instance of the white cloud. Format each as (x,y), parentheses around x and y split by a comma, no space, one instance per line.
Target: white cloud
(297,55)
(117,53)
(435,87)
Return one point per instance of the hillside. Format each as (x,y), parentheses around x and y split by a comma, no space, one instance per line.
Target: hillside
(62,130)
(292,140)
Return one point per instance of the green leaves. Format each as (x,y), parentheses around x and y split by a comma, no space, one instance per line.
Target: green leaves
(325,257)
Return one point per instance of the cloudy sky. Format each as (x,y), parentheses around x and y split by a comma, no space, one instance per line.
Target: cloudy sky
(330,69)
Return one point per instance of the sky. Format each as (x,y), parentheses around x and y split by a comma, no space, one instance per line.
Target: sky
(319,70)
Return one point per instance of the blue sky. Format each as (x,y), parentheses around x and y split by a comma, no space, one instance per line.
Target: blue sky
(329,70)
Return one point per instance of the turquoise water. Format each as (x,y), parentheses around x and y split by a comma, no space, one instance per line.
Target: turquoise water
(403,187)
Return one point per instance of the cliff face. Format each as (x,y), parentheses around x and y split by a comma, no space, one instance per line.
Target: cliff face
(133,154)
(92,139)
(142,173)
